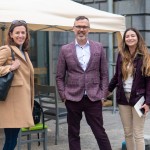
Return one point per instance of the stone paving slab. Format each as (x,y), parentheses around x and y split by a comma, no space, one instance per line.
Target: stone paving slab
(112,125)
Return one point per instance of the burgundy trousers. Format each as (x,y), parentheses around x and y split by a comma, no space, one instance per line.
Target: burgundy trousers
(94,118)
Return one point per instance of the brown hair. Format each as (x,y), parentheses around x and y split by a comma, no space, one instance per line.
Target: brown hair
(126,57)
(14,24)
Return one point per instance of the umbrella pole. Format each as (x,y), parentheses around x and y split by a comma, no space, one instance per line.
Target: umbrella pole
(3,29)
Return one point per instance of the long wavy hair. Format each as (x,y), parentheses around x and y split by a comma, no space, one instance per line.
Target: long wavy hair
(128,59)
(10,41)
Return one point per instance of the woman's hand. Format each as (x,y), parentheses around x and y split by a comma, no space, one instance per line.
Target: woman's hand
(146,107)
(15,65)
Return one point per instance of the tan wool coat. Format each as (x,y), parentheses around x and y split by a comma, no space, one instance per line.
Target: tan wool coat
(16,110)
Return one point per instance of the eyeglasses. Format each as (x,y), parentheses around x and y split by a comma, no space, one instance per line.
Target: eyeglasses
(18,21)
(82,27)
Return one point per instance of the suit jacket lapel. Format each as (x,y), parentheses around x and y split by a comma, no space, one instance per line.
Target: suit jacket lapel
(92,48)
(73,47)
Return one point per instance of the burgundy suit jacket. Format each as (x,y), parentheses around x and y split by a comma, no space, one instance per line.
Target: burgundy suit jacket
(140,86)
(72,81)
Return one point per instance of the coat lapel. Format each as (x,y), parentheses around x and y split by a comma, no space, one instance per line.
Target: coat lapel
(18,52)
(29,62)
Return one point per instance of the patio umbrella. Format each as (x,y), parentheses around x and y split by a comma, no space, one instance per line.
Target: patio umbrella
(57,15)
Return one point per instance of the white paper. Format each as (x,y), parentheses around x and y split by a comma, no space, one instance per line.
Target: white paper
(138,106)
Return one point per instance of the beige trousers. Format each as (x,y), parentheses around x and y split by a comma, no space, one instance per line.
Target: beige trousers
(133,127)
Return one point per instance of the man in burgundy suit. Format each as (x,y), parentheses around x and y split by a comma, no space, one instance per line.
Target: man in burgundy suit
(82,81)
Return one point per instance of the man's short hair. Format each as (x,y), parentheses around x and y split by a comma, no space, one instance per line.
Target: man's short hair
(81,18)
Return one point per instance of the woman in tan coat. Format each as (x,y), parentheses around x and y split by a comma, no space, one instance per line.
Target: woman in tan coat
(16,110)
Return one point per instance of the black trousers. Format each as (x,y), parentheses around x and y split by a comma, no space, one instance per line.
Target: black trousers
(94,118)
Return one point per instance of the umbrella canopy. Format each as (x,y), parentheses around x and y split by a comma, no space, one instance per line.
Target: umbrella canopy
(57,15)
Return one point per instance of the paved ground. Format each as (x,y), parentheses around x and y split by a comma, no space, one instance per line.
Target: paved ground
(112,125)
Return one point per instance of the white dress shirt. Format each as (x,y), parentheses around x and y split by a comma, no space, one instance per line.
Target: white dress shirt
(83,54)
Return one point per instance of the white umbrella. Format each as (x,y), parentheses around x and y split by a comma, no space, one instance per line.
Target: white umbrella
(57,15)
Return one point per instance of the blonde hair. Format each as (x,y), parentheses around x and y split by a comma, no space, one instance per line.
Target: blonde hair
(127,58)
